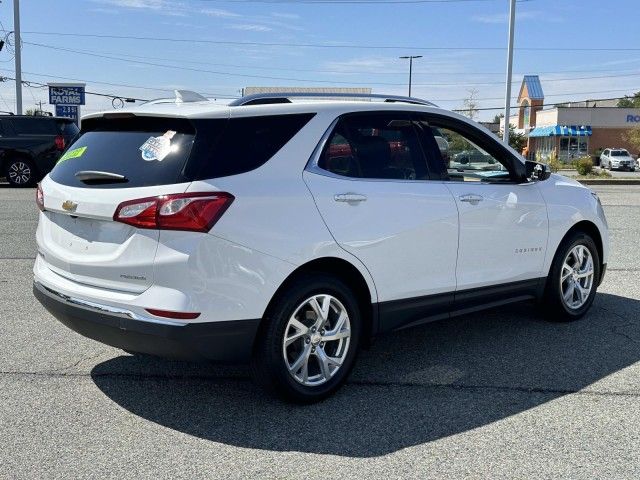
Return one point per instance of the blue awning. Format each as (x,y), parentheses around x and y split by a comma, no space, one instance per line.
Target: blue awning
(561,131)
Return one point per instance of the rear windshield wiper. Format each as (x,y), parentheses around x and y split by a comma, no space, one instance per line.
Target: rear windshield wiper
(89,176)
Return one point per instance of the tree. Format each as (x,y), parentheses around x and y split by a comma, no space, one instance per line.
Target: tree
(633,137)
(470,104)
(497,118)
(630,101)
(517,141)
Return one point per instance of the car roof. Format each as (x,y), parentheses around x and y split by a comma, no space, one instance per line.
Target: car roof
(213,110)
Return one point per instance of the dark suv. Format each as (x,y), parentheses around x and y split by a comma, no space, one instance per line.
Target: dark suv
(30,146)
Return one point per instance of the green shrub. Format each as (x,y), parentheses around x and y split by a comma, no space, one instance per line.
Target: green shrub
(584,166)
(554,163)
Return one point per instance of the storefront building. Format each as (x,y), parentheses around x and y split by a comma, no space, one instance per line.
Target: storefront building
(571,131)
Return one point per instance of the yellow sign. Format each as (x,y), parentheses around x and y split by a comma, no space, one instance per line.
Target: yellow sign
(75,153)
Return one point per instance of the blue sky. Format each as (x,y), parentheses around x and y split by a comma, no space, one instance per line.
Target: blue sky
(444,76)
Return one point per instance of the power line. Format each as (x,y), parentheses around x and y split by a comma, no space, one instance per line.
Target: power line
(325,71)
(99,82)
(99,94)
(543,105)
(327,45)
(304,80)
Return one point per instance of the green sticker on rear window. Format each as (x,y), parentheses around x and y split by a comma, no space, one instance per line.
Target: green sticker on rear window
(75,153)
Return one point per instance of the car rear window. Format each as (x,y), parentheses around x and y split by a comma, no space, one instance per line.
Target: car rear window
(34,126)
(150,151)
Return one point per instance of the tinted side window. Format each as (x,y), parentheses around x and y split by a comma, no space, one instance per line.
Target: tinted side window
(69,129)
(375,145)
(34,126)
(248,143)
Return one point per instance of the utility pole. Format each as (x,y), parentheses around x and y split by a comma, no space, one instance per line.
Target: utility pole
(18,46)
(507,95)
(410,57)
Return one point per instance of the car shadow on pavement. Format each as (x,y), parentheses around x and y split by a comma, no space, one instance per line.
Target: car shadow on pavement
(411,387)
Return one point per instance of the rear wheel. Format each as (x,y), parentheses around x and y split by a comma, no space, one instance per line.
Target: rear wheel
(20,172)
(573,279)
(309,341)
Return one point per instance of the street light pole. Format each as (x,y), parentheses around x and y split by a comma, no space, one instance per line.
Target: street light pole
(17,41)
(507,95)
(410,57)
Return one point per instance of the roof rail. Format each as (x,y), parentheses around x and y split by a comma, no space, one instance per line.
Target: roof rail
(284,97)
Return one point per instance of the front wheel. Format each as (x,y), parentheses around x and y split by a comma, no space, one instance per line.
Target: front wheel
(573,279)
(309,340)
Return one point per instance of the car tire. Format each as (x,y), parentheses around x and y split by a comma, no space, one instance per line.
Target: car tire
(20,172)
(293,340)
(565,299)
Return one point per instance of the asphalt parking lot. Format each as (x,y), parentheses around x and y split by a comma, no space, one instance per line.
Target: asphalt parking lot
(499,394)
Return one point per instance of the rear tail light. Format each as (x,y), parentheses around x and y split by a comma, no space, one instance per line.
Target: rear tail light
(60,142)
(195,212)
(40,198)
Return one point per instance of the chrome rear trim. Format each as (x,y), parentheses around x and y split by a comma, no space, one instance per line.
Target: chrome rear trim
(101,308)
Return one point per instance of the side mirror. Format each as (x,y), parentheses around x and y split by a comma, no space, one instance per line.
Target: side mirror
(537,171)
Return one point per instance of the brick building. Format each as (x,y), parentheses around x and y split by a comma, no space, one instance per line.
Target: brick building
(571,130)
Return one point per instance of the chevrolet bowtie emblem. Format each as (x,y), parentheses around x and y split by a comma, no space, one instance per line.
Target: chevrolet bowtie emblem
(69,206)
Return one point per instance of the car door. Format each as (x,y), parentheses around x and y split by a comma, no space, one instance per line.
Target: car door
(370,182)
(503,218)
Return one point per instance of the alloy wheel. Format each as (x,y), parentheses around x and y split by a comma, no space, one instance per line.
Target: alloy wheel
(316,340)
(576,277)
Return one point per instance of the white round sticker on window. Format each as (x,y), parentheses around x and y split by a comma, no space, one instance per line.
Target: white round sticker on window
(157,148)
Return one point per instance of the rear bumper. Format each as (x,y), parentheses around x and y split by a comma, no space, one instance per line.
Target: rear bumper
(226,341)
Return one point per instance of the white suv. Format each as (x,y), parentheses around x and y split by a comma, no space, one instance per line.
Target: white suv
(290,233)
(617,158)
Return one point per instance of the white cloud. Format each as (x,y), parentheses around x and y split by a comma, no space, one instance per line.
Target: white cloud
(494,18)
(250,27)
(289,16)
(162,7)
(219,13)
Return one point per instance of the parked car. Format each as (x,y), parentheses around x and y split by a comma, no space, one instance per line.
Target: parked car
(30,146)
(289,235)
(618,159)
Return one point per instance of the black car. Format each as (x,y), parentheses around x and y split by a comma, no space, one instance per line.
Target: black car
(30,146)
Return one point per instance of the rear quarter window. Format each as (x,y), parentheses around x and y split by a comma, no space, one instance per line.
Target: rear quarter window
(248,143)
(68,129)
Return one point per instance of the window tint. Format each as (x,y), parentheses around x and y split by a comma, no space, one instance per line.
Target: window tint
(248,143)
(619,153)
(151,151)
(147,151)
(460,153)
(375,146)
(68,129)
(34,126)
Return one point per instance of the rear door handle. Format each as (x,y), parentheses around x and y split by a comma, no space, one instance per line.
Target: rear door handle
(471,198)
(349,197)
